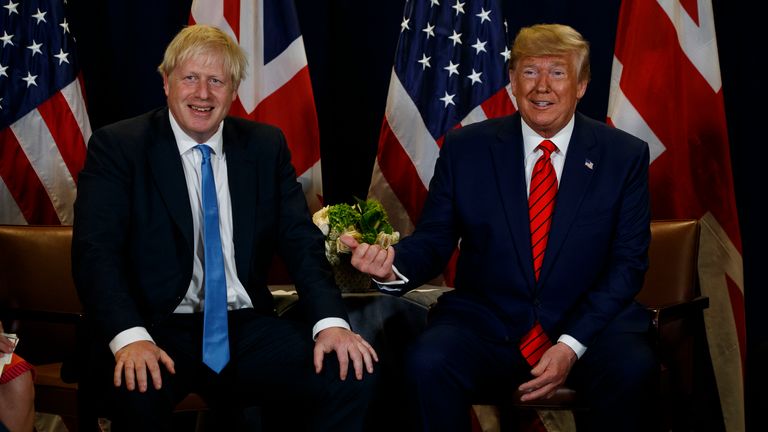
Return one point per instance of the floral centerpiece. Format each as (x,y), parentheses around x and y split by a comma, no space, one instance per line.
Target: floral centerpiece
(367,222)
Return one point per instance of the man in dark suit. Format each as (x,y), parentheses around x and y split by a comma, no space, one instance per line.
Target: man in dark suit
(550,213)
(148,254)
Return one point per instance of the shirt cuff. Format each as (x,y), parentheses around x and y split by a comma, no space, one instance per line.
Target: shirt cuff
(131,335)
(575,345)
(328,323)
(393,286)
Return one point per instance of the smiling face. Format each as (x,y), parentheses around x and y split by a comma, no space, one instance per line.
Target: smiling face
(547,89)
(199,93)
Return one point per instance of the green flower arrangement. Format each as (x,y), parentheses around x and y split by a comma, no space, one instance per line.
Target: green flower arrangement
(365,221)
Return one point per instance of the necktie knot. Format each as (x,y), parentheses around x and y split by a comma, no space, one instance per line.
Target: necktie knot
(205,151)
(547,147)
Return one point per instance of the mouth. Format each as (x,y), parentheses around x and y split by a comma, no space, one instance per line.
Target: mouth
(200,109)
(542,104)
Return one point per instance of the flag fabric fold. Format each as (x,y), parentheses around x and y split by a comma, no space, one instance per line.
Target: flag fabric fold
(277,88)
(449,69)
(666,89)
(44,125)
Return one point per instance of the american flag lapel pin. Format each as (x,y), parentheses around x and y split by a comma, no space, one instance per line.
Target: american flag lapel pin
(588,163)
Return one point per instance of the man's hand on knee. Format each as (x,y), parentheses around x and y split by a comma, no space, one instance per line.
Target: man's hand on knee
(550,372)
(135,359)
(348,346)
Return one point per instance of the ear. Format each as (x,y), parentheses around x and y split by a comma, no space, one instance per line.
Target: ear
(165,84)
(581,88)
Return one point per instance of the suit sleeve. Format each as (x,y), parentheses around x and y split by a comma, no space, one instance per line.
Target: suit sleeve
(423,255)
(100,237)
(302,246)
(625,263)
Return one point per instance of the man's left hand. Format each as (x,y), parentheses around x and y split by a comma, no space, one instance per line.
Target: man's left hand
(348,346)
(550,372)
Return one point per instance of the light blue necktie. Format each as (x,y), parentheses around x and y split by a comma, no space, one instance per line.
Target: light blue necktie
(215,337)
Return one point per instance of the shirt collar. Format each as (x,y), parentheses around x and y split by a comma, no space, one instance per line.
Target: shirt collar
(531,139)
(186,143)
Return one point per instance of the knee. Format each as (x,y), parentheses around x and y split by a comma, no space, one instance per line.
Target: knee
(425,363)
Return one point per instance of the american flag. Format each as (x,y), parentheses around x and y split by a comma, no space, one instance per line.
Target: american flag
(678,109)
(43,121)
(450,70)
(277,89)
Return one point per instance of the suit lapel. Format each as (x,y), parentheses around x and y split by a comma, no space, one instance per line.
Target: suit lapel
(573,185)
(243,189)
(509,164)
(166,168)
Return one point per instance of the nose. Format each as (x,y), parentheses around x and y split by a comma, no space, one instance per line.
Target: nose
(542,83)
(201,91)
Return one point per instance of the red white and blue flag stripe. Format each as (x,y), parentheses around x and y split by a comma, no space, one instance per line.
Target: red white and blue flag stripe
(44,125)
(277,88)
(666,89)
(450,69)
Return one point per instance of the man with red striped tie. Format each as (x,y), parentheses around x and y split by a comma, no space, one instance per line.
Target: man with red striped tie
(550,212)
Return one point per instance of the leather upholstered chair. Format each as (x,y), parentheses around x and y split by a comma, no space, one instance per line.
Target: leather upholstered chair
(671,294)
(39,302)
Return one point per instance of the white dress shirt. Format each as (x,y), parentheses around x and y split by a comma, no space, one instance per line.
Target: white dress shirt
(193,301)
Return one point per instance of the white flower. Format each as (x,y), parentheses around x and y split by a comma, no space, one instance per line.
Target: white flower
(321,220)
(386,240)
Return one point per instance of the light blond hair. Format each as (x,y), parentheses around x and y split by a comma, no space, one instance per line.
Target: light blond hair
(203,39)
(551,39)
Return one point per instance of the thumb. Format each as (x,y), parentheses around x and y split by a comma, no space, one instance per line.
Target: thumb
(349,241)
(540,367)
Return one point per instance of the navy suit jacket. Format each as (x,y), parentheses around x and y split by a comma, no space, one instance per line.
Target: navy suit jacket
(596,254)
(133,242)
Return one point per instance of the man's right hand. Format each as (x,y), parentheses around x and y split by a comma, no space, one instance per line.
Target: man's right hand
(371,259)
(135,359)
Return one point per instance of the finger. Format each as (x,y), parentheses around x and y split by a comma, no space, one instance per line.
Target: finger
(155,374)
(540,367)
(318,358)
(539,393)
(167,362)
(141,376)
(349,241)
(390,257)
(354,354)
(367,358)
(130,378)
(343,357)
(533,384)
(118,374)
(369,348)
(381,257)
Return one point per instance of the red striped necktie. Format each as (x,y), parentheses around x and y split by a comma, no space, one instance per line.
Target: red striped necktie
(541,203)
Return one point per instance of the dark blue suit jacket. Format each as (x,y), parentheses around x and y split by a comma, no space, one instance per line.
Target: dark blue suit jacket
(132,244)
(596,255)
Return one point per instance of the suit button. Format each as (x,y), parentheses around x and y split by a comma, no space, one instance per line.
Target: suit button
(536,302)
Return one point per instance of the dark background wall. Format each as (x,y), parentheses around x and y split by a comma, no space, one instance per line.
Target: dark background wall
(350,47)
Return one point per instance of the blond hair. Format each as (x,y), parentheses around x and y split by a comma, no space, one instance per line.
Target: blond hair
(551,39)
(203,39)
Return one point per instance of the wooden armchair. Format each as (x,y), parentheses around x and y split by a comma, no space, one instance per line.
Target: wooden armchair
(38,301)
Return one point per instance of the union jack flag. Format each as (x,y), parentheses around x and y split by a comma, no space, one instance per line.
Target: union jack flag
(679,110)
(277,89)
(43,121)
(450,69)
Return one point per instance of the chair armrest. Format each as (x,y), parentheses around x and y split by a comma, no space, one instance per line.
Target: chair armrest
(674,311)
(42,316)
